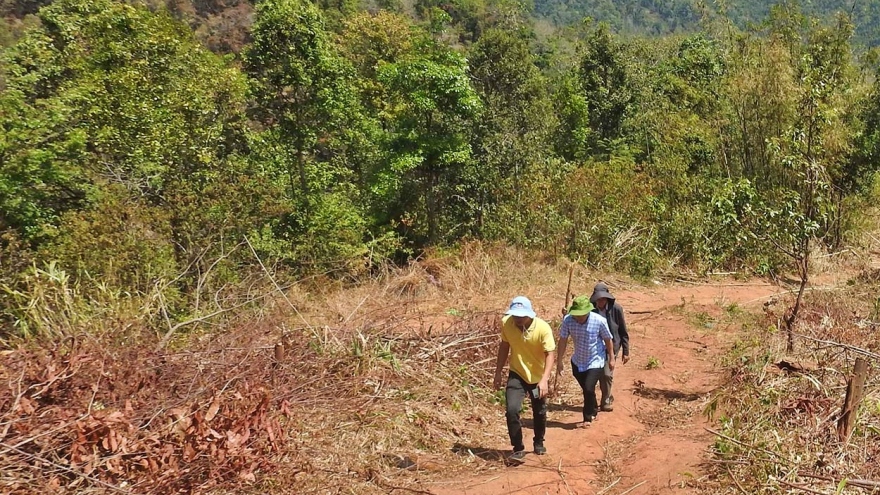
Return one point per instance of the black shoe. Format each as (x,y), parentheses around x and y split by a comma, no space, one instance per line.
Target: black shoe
(517,457)
(606,407)
(540,449)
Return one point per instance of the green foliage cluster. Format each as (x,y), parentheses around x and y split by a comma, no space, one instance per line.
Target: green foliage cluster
(137,160)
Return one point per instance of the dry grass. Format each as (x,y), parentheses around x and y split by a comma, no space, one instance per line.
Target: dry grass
(345,411)
(609,469)
(779,427)
(382,386)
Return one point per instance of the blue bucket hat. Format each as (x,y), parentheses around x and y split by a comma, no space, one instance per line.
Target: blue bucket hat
(521,306)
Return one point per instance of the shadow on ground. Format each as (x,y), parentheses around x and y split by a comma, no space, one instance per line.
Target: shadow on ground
(560,425)
(666,394)
(565,407)
(493,455)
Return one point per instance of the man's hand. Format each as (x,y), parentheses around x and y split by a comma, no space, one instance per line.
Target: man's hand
(611,364)
(496,384)
(559,369)
(544,387)
(625,358)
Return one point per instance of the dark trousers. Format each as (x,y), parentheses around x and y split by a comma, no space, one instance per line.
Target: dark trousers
(587,380)
(517,390)
(605,382)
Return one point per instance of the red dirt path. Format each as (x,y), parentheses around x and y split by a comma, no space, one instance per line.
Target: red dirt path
(654,441)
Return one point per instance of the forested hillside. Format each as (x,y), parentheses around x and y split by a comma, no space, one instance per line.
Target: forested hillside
(652,17)
(153,151)
(261,247)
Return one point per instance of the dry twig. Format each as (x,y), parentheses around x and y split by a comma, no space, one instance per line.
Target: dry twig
(41,460)
(857,350)
(633,487)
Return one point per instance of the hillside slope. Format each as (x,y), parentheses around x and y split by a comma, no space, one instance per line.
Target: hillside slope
(661,17)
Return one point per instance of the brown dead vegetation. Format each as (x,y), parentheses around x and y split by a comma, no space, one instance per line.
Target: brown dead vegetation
(779,411)
(382,388)
(378,387)
(81,415)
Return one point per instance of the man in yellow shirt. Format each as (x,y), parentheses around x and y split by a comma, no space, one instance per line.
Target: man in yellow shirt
(528,341)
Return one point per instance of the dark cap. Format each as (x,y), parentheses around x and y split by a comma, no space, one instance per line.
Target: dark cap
(600,291)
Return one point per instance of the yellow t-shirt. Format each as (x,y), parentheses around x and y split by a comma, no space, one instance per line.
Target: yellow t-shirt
(527,348)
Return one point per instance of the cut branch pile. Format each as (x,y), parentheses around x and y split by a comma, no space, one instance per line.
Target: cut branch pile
(806,421)
(82,414)
(226,415)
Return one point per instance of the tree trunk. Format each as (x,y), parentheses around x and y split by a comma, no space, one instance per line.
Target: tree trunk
(803,267)
(855,391)
(301,165)
(432,203)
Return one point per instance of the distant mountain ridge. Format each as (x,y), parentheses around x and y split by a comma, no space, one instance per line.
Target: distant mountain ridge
(660,17)
(223,24)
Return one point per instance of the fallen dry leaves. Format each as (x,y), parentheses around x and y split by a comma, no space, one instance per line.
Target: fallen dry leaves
(78,413)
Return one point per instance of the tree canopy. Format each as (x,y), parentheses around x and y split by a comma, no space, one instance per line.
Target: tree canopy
(343,136)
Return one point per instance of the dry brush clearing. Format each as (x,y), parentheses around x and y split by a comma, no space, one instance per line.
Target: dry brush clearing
(369,389)
(781,413)
(382,387)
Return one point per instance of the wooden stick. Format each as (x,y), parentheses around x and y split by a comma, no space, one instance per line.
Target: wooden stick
(162,343)
(37,459)
(866,484)
(800,487)
(855,391)
(281,291)
(736,481)
(600,492)
(633,487)
(279,353)
(562,476)
(567,300)
(568,289)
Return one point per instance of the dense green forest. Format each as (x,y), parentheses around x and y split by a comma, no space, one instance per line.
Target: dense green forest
(165,152)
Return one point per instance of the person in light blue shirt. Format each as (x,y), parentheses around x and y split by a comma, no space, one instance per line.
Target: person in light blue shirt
(593,347)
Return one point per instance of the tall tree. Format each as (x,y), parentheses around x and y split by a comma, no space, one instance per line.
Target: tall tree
(305,98)
(113,112)
(301,87)
(515,131)
(606,85)
(431,104)
(812,150)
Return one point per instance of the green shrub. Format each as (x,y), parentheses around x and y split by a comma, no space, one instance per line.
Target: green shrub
(49,304)
(121,243)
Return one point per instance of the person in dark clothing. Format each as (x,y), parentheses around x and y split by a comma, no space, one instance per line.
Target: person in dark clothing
(607,306)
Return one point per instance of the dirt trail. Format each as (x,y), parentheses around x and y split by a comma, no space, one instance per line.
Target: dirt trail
(654,441)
